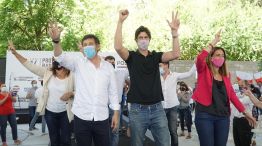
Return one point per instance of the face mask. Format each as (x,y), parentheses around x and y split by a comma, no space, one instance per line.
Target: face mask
(217,62)
(161,70)
(4,89)
(34,85)
(143,44)
(90,52)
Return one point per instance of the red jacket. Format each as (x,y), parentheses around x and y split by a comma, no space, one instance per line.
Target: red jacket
(203,91)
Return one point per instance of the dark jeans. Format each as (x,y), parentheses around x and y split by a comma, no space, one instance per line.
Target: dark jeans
(3,123)
(31,114)
(152,117)
(212,130)
(114,135)
(88,131)
(185,115)
(58,127)
(242,132)
(171,114)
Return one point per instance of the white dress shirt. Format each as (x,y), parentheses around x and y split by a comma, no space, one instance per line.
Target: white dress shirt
(169,86)
(95,87)
(121,77)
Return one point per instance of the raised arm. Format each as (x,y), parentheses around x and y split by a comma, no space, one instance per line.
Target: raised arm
(38,70)
(19,57)
(187,74)
(65,60)
(214,42)
(175,53)
(118,44)
(254,100)
(55,32)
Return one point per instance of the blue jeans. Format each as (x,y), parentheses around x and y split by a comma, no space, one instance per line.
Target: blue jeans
(212,130)
(171,114)
(32,123)
(3,124)
(58,127)
(114,136)
(152,117)
(31,114)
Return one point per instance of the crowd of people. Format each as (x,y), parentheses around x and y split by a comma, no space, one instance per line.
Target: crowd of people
(87,92)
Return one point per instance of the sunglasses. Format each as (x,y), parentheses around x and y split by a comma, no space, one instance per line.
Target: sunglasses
(59,68)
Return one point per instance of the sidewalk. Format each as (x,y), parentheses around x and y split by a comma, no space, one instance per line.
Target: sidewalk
(38,139)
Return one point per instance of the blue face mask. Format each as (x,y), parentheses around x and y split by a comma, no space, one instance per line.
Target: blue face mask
(161,70)
(90,51)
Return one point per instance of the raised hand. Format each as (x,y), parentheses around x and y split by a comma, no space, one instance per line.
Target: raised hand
(11,47)
(217,36)
(215,41)
(175,23)
(54,31)
(123,14)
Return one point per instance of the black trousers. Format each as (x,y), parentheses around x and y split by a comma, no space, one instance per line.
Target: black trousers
(87,132)
(241,132)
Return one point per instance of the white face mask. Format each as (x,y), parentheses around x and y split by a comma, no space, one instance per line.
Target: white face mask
(34,85)
(4,89)
(143,44)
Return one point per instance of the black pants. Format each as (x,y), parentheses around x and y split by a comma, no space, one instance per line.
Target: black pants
(185,116)
(88,131)
(58,128)
(241,132)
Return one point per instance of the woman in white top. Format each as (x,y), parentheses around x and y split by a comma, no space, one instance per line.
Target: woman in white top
(58,85)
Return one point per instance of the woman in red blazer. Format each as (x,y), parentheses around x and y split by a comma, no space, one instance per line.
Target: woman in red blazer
(213,95)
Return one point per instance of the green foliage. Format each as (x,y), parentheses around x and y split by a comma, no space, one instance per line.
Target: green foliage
(26,23)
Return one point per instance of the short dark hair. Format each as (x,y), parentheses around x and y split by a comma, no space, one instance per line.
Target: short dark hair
(167,63)
(33,81)
(91,36)
(110,57)
(142,29)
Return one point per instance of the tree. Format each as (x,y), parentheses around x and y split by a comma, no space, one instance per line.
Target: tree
(26,22)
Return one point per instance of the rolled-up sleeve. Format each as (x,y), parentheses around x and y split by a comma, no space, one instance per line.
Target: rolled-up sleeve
(113,96)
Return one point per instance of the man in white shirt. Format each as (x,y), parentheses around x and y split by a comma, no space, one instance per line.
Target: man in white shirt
(121,78)
(32,101)
(38,96)
(95,87)
(169,86)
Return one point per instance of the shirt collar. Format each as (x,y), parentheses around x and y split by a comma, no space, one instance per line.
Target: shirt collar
(149,53)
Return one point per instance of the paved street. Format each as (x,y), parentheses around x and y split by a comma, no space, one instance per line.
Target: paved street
(37,139)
